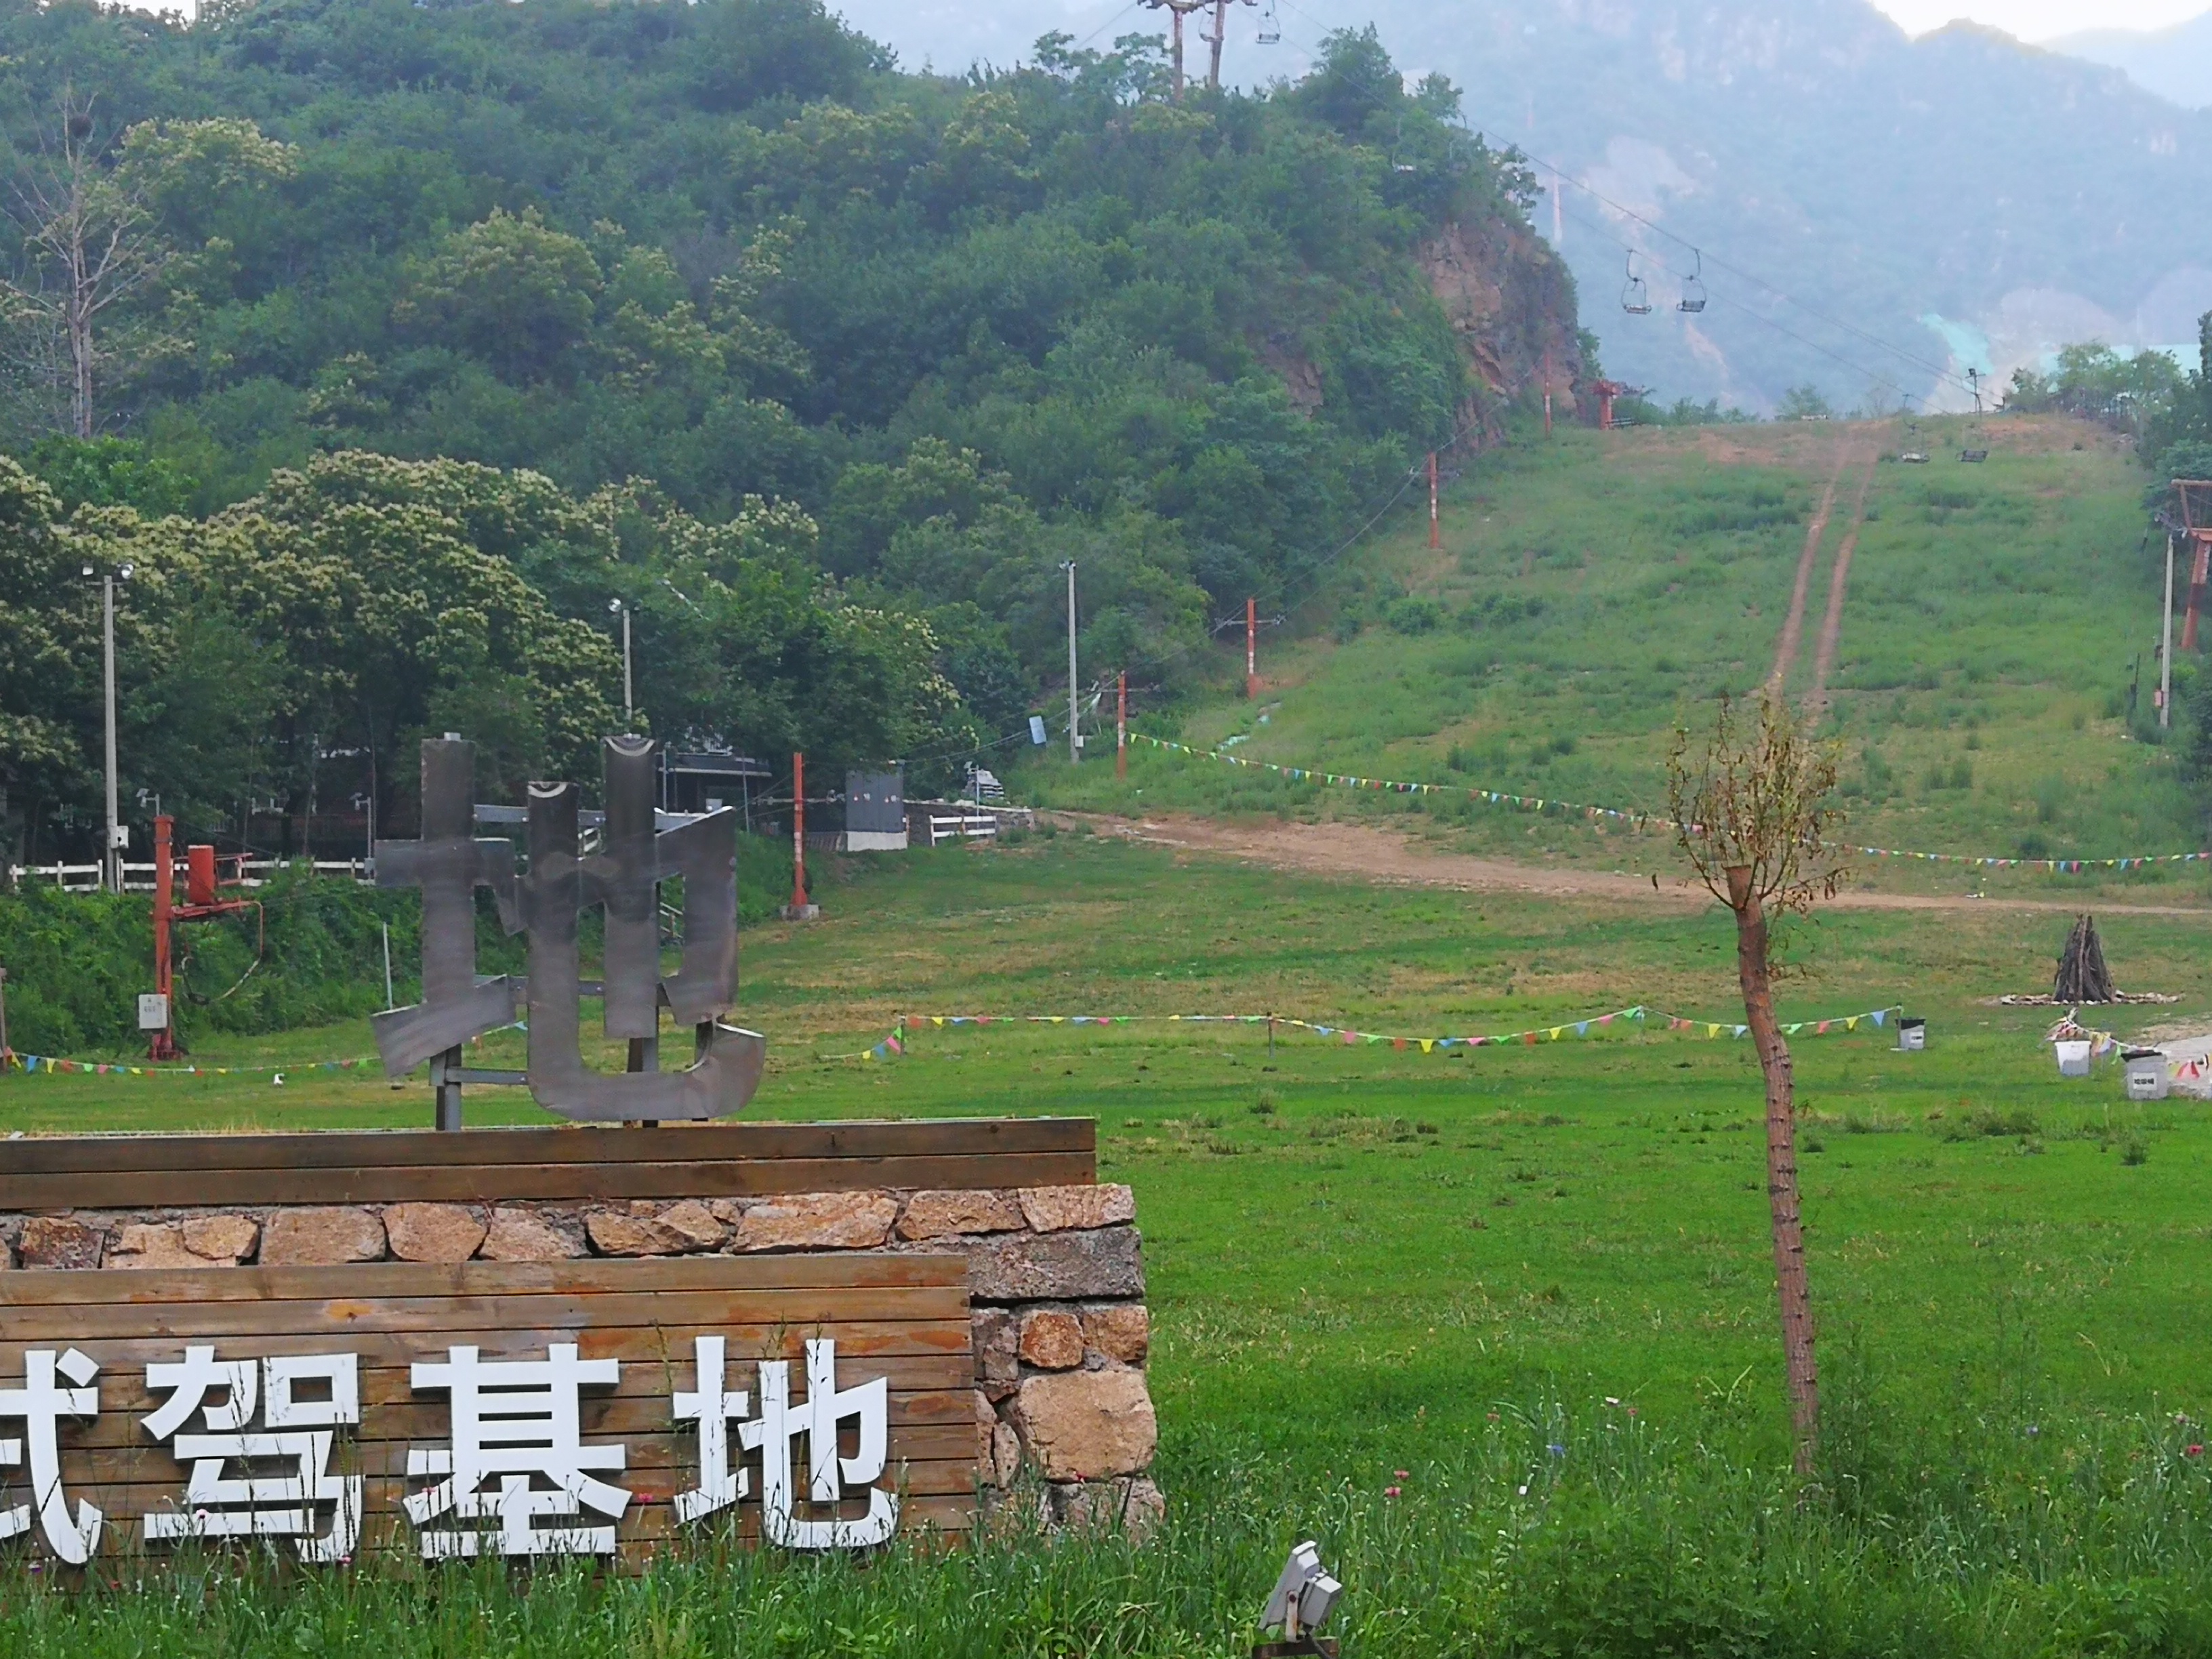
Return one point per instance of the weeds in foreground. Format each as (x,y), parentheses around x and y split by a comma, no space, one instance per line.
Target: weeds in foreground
(1553,1532)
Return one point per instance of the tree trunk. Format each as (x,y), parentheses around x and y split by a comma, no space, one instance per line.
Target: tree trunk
(1791,1289)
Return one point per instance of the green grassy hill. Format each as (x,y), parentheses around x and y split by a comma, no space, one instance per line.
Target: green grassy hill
(1596,589)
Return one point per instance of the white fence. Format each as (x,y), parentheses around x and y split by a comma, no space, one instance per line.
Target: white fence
(966,826)
(139,877)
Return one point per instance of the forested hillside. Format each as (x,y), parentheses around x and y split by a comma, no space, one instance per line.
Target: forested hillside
(825,368)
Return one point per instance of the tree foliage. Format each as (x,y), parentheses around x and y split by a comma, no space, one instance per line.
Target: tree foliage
(471,317)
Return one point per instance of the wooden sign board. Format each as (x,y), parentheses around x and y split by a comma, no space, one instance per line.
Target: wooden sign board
(593,1407)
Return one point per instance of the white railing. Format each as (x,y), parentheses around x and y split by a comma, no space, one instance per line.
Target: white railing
(139,877)
(968,826)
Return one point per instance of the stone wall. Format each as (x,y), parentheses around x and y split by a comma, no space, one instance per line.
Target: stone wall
(1055,1280)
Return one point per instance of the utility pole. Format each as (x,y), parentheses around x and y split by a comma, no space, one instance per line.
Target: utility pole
(1074,736)
(1547,391)
(1214,40)
(111,852)
(2165,646)
(629,699)
(1251,649)
(1177,10)
(798,909)
(1974,384)
(1121,724)
(1435,538)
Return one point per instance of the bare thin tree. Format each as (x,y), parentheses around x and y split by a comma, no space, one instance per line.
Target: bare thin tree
(90,240)
(1751,812)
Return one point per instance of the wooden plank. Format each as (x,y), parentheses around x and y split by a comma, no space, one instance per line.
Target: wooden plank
(338,1316)
(582,1275)
(987,1137)
(482,1183)
(904,1319)
(914,1339)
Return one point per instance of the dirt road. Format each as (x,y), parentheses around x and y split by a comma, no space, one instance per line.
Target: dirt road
(1379,856)
(1793,626)
(1832,625)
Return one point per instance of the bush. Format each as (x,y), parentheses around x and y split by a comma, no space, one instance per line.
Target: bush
(1417,613)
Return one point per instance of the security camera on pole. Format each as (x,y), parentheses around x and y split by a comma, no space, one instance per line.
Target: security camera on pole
(111,852)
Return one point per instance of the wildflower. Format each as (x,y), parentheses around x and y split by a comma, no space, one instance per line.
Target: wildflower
(1556,1450)
(1524,1492)
(1389,1491)
(1632,1411)
(1493,1416)
(1611,1400)
(1403,1474)
(2197,1450)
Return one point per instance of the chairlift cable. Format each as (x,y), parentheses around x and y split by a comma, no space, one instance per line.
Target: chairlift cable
(1559,176)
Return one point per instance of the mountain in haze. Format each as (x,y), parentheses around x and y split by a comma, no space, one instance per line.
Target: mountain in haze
(1876,215)
(2174,63)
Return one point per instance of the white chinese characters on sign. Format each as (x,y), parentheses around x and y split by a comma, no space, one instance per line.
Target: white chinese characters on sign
(820,1419)
(517,1422)
(258,1435)
(41,1405)
(296,1432)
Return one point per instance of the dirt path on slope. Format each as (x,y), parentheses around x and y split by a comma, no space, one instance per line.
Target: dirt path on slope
(1832,625)
(1387,859)
(1793,628)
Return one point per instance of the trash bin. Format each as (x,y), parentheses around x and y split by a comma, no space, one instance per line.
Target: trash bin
(1912,1035)
(2146,1075)
(2073,1056)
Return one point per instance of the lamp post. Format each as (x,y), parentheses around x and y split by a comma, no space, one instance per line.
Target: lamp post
(615,607)
(110,853)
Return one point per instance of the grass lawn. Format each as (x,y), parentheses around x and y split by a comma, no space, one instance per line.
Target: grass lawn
(1357,1252)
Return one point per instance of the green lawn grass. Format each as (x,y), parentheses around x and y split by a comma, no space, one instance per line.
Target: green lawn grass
(1594,590)
(1363,1260)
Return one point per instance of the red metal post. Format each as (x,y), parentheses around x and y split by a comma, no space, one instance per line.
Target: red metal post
(797,833)
(1435,539)
(1251,648)
(163,1045)
(1121,725)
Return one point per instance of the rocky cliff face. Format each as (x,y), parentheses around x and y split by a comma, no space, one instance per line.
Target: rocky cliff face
(1511,302)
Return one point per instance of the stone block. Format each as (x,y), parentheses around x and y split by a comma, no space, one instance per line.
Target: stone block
(943,1213)
(1062,1266)
(530,1236)
(998,1340)
(321,1237)
(1121,1331)
(54,1240)
(1060,1209)
(152,1244)
(1087,1425)
(695,1223)
(1134,1505)
(1005,1455)
(817,1221)
(221,1238)
(432,1232)
(621,1232)
(1051,1340)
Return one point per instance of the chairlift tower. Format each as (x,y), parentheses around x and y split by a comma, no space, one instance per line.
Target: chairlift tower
(1220,32)
(1177,10)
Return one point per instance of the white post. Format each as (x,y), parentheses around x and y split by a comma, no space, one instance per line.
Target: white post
(113,856)
(387,962)
(630,700)
(1074,748)
(2165,647)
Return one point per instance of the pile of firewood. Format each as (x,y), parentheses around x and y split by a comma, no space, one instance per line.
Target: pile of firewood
(2082,975)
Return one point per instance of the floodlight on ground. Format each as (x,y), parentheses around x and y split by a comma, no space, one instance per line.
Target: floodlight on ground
(1304,1598)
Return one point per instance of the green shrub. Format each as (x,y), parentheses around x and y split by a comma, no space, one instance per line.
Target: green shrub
(1417,613)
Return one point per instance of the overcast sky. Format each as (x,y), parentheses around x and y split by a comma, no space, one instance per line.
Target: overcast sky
(2039,20)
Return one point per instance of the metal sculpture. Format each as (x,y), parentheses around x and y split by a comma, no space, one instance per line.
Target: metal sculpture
(622,877)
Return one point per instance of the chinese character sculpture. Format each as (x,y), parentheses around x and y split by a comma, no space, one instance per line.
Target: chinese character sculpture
(295,1433)
(622,877)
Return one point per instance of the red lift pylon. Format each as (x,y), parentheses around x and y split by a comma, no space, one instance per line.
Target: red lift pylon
(203,902)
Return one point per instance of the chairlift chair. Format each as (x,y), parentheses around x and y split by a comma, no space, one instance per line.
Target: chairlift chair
(1271,25)
(1634,299)
(1693,290)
